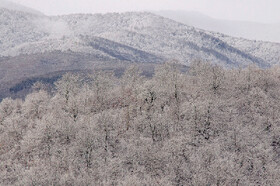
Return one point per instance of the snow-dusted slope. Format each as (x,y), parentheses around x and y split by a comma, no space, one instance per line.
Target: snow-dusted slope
(268,51)
(18,27)
(173,40)
(137,37)
(160,36)
(25,33)
(33,45)
(249,30)
(17,7)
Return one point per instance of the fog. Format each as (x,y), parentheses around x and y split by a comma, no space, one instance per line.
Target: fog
(244,29)
(266,11)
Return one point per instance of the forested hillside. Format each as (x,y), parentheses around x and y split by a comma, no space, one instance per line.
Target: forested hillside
(35,46)
(206,126)
(243,29)
(131,36)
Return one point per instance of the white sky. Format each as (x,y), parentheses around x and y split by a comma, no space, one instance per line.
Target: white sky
(248,10)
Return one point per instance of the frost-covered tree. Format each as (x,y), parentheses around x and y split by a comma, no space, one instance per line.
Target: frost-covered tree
(205,126)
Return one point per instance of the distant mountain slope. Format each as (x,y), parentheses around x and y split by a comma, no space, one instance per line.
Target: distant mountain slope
(244,29)
(14,71)
(160,36)
(18,27)
(138,36)
(17,7)
(32,45)
(267,51)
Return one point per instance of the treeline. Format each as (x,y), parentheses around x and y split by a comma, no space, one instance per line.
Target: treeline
(206,126)
(28,83)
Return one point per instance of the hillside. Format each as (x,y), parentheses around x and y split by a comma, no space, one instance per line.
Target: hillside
(80,41)
(17,7)
(144,33)
(208,126)
(134,99)
(243,29)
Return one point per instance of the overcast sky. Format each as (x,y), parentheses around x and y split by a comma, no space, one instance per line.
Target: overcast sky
(249,10)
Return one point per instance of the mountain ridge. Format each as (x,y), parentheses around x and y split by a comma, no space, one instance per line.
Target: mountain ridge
(85,40)
(243,29)
(143,31)
(18,7)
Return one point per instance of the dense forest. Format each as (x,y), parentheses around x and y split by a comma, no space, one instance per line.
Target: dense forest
(205,126)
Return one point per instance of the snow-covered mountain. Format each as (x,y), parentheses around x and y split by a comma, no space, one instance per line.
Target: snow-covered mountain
(32,44)
(14,6)
(250,30)
(127,36)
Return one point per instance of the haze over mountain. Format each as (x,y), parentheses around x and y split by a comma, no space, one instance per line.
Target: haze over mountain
(244,29)
(14,6)
(131,34)
(134,99)
(34,45)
